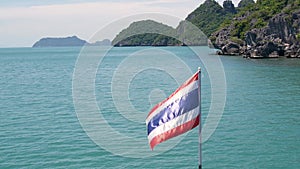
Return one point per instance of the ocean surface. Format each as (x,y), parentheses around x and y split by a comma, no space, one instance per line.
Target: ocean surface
(39,126)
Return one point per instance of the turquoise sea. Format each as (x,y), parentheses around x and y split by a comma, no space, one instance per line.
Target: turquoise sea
(39,128)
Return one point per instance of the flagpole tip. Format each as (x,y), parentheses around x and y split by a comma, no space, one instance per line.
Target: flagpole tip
(199,68)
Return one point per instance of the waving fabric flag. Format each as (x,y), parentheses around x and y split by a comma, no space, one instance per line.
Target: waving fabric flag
(175,115)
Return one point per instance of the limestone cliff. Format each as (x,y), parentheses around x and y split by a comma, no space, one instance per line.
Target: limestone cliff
(262,31)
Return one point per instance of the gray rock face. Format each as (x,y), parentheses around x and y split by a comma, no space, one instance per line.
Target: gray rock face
(267,49)
(222,37)
(231,49)
(280,27)
(251,38)
(278,38)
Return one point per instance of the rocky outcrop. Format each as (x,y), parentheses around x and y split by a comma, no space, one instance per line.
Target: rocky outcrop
(278,38)
(244,3)
(275,40)
(223,39)
(230,48)
(229,7)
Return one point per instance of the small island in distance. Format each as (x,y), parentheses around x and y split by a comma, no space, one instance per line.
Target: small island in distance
(72,41)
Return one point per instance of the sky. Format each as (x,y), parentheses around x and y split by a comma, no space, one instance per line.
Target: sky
(23,22)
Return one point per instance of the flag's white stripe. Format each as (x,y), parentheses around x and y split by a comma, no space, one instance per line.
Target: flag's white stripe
(179,94)
(174,123)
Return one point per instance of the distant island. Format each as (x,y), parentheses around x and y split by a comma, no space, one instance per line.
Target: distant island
(72,41)
(156,35)
(152,33)
(261,29)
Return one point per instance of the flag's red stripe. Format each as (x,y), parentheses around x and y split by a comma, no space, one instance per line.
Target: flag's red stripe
(192,79)
(174,132)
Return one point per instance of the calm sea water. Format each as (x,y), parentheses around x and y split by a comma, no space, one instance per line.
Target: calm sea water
(39,128)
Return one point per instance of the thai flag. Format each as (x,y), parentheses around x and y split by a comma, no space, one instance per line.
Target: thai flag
(175,115)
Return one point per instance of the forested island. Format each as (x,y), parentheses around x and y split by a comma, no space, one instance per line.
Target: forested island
(265,28)
(72,41)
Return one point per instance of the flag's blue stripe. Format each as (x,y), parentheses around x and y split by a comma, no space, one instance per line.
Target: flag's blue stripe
(178,107)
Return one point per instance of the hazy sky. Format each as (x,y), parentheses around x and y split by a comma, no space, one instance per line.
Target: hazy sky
(22,22)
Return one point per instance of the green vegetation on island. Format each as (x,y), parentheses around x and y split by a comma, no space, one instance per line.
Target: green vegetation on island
(151,33)
(210,15)
(265,28)
(198,25)
(245,3)
(146,33)
(257,15)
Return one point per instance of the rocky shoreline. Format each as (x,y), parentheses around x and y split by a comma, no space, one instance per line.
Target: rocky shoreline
(280,38)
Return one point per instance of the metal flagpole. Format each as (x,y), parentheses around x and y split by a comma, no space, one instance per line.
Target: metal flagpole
(200,124)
